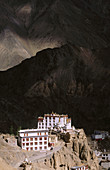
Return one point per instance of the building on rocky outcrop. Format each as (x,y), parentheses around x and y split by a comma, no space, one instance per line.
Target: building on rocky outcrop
(33,139)
(54,120)
(37,139)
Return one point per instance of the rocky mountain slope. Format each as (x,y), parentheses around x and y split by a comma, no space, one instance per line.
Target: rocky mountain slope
(69,80)
(4,165)
(75,151)
(27,27)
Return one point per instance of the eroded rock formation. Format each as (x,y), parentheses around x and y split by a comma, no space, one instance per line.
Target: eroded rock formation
(76,152)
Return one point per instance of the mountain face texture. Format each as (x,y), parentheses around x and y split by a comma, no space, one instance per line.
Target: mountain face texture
(70,73)
(27,27)
(69,79)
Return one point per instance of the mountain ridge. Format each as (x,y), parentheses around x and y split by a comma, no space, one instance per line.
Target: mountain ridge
(69,79)
(38,25)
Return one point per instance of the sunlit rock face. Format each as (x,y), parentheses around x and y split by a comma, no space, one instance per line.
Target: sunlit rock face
(36,25)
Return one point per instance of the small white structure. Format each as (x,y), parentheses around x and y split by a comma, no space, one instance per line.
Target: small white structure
(33,139)
(100,135)
(103,133)
(97,153)
(97,137)
(82,167)
(104,159)
(54,120)
(106,156)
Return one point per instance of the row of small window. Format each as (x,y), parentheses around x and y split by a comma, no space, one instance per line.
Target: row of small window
(105,155)
(34,143)
(36,148)
(41,123)
(42,127)
(31,139)
(50,118)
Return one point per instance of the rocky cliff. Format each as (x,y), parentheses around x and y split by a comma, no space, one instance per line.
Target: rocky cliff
(75,153)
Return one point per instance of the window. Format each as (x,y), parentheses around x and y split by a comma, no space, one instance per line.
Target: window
(27,134)
(36,139)
(31,143)
(24,134)
(45,138)
(40,133)
(31,139)
(45,133)
(45,147)
(40,143)
(27,144)
(31,148)
(40,148)
(35,143)
(35,148)
(27,139)
(40,138)
(27,149)
(23,144)
(23,139)
(45,142)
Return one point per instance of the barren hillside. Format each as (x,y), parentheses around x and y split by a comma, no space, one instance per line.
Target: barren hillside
(27,27)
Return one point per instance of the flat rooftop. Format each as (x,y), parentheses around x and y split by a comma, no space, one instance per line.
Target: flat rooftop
(32,130)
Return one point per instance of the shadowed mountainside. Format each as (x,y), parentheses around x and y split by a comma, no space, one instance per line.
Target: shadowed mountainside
(27,27)
(70,79)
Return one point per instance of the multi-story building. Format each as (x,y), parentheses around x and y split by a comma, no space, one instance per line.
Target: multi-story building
(37,139)
(53,119)
(33,139)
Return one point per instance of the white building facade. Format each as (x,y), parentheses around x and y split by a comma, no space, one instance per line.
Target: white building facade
(37,139)
(53,119)
(33,139)
(82,167)
(106,156)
